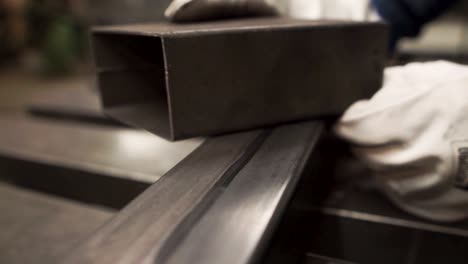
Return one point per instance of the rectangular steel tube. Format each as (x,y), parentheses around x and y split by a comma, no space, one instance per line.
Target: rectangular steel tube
(187,80)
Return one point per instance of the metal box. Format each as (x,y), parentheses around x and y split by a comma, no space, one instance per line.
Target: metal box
(184,80)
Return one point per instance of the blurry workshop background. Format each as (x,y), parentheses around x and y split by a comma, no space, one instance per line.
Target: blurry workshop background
(48,101)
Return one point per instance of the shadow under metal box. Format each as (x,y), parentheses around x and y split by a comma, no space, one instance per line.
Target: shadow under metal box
(184,80)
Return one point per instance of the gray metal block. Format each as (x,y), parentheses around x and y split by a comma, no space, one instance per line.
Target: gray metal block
(184,80)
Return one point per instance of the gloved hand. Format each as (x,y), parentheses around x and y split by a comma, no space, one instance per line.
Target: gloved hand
(202,10)
(355,10)
(413,133)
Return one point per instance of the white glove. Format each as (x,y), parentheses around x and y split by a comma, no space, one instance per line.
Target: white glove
(413,133)
(356,10)
(202,10)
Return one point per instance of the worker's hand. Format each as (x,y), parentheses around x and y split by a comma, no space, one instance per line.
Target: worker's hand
(414,134)
(202,10)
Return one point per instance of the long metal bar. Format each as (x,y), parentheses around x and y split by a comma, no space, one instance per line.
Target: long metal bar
(141,229)
(237,226)
(216,206)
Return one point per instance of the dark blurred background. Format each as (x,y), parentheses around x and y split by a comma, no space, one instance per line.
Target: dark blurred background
(50,36)
(44,47)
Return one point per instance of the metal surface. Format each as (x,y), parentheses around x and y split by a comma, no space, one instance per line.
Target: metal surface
(37,228)
(338,213)
(316,259)
(218,205)
(140,230)
(102,165)
(381,219)
(124,153)
(75,103)
(188,80)
(238,225)
(362,241)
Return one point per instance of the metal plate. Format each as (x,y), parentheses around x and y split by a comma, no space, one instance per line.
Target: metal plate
(94,164)
(37,228)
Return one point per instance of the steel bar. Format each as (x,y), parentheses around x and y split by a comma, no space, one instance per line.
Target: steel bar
(238,224)
(218,205)
(140,230)
(202,79)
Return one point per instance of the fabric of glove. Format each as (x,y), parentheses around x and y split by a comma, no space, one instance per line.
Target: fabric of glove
(356,10)
(203,10)
(413,133)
